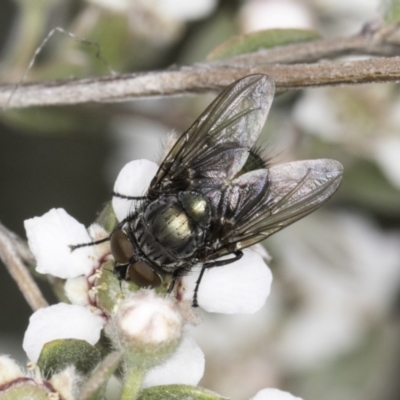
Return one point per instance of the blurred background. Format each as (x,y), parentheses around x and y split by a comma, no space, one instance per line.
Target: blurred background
(331,327)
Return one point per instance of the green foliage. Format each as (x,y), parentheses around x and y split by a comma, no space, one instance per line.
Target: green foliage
(392,14)
(178,392)
(59,354)
(259,40)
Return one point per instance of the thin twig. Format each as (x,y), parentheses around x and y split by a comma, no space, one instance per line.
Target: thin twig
(298,71)
(316,50)
(200,78)
(10,249)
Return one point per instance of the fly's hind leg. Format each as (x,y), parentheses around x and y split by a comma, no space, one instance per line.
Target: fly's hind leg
(212,264)
(123,196)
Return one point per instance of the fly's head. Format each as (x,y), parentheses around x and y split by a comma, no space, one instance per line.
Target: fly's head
(128,266)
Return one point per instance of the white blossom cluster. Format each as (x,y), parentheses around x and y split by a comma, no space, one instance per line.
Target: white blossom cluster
(240,287)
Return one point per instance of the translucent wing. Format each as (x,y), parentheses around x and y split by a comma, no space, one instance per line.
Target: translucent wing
(262,202)
(217,145)
(209,157)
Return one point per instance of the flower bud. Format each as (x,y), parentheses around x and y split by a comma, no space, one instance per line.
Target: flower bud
(9,370)
(147,328)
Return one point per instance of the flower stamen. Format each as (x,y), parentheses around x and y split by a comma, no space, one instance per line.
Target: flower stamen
(31,366)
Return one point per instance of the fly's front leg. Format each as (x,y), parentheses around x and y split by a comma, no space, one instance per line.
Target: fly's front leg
(77,246)
(221,263)
(107,238)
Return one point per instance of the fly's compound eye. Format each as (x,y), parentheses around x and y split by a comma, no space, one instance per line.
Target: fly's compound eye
(143,275)
(121,247)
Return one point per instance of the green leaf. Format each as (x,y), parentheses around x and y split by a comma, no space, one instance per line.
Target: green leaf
(94,387)
(259,40)
(178,392)
(392,14)
(59,354)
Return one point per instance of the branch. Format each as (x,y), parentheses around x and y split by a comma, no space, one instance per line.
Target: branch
(212,76)
(12,251)
(197,79)
(380,43)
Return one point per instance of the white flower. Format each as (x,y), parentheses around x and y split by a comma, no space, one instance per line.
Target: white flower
(179,10)
(274,394)
(185,367)
(271,14)
(61,321)
(343,293)
(133,180)
(49,238)
(239,287)
(186,10)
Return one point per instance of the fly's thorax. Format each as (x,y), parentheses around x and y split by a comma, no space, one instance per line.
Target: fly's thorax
(171,229)
(196,207)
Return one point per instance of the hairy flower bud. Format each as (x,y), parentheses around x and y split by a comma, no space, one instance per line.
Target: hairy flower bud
(146,327)
(9,370)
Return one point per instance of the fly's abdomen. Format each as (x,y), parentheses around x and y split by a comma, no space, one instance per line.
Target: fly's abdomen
(171,229)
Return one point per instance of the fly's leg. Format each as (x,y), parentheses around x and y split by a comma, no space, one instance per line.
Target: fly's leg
(107,238)
(221,263)
(171,285)
(123,196)
(77,246)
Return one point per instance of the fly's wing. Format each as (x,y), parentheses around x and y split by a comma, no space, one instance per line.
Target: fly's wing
(262,202)
(217,145)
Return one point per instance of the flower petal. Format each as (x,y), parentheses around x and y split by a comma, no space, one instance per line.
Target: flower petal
(274,394)
(61,321)
(186,10)
(9,370)
(77,290)
(238,288)
(133,180)
(49,238)
(185,366)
